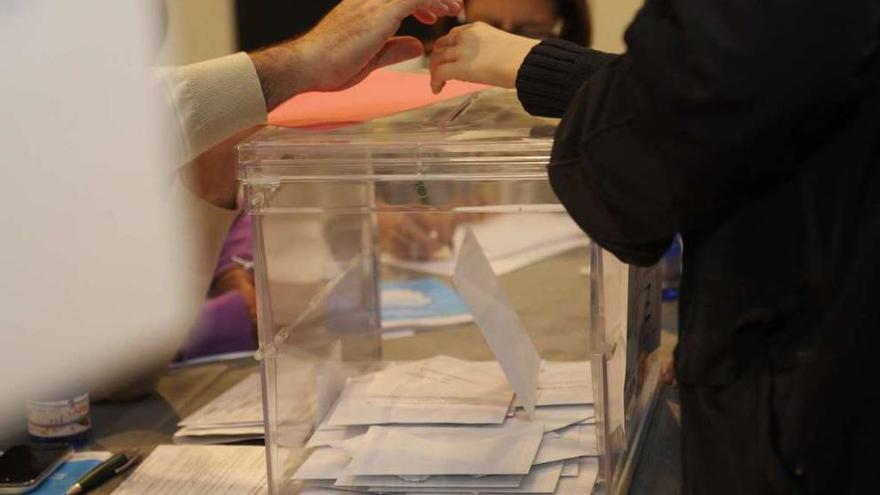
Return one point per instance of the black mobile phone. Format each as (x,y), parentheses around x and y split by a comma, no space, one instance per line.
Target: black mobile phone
(24,467)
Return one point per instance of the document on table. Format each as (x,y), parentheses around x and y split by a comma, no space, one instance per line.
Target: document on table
(441,376)
(475,483)
(563,383)
(418,459)
(558,417)
(498,321)
(213,435)
(425,451)
(333,436)
(565,446)
(541,479)
(199,470)
(236,415)
(511,242)
(425,302)
(324,463)
(241,404)
(435,390)
(583,481)
(319,490)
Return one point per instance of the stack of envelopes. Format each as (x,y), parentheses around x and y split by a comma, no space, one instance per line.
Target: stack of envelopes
(447,426)
(234,416)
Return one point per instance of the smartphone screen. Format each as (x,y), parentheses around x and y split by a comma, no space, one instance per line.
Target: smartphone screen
(26,464)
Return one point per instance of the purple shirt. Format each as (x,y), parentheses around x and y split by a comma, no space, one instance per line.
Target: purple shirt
(224,324)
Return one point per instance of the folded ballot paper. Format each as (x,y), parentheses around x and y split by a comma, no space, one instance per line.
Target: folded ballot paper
(445,426)
(199,469)
(517,457)
(234,416)
(436,390)
(497,319)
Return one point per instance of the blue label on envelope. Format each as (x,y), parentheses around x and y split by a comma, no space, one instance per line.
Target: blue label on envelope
(421,302)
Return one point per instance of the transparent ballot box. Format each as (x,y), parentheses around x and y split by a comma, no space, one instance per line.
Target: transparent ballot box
(431,320)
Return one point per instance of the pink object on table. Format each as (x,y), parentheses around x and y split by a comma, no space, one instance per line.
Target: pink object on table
(384,92)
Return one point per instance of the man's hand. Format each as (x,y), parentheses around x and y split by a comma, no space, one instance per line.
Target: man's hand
(354,39)
(479,53)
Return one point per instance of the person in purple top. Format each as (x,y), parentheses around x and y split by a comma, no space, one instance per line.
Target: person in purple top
(227,322)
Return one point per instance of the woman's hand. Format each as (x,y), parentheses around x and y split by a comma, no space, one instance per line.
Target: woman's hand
(479,53)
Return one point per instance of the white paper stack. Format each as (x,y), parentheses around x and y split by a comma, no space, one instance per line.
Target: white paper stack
(199,470)
(234,416)
(436,390)
(444,425)
(515,457)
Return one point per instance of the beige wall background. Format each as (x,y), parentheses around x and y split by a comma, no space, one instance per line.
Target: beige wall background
(610,19)
(202,29)
(199,30)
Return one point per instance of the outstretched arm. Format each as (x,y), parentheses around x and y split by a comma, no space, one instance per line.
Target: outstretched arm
(214,101)
(702,108)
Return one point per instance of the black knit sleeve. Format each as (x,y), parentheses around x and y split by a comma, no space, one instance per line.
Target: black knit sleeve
(552,73)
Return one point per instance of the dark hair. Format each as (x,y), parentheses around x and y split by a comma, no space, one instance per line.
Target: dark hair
(577,24)
(264,22)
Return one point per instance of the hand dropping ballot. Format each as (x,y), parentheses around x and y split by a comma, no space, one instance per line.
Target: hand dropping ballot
(501,327)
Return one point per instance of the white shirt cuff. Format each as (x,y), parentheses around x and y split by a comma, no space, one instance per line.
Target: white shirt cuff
(215,99)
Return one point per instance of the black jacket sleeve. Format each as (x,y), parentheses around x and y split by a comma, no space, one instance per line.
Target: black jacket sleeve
(552,73)
(714,100)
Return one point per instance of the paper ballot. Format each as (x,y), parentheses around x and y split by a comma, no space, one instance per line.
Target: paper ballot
(558,417)
(334,436)
(556,447)
(419,451)
(240,405)
(501,327)
(542,479)
(475,483)
(565,383)
(236,415)
(199,470)
(436,390)
(325,463)
(583,481)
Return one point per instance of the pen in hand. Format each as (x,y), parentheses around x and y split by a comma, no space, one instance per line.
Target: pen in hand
(113,466)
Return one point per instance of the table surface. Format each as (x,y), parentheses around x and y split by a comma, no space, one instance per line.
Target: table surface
(148,422)
(545,307)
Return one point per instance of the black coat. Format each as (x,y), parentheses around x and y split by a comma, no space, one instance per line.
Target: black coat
(751,127)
